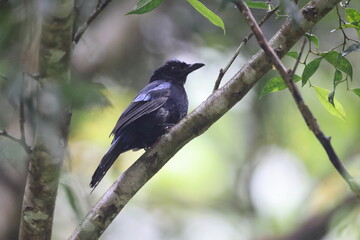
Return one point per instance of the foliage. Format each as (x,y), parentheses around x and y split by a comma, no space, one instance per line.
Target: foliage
(276,84)
(144,6)
(343,69)
(335,108)
(259,5)
(203,10)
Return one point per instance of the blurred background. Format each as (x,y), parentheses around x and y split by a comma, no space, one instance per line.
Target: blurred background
(257,173)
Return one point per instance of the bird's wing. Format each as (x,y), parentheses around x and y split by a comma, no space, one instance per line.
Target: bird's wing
(151,98)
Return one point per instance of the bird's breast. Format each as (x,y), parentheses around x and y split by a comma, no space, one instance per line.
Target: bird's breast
(177,104)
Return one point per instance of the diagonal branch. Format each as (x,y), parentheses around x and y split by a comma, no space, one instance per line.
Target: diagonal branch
(309,118)
(223,71)
(318,225)
(99,8)
(193,125)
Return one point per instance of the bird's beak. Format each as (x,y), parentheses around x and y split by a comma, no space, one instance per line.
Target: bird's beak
(193,67)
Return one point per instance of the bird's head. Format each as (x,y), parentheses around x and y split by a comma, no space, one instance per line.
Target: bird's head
(174,71)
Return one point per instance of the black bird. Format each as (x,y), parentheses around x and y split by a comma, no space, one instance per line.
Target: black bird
(160,105)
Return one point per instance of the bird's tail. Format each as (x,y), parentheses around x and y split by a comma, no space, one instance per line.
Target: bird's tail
(107,161)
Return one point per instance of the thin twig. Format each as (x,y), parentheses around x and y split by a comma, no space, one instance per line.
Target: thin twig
(237,52)
(299,57)
(99,8)
(304,110)
(341,21)
(4,133)
(22,140)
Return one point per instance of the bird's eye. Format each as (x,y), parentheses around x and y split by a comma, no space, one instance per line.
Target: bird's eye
(174,68)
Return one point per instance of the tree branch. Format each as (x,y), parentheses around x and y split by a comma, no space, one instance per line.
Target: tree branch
(193,125)
(223,71)
(317,226)
(99,8)
(299,57)
(22,140)
(4,133)
(309,118)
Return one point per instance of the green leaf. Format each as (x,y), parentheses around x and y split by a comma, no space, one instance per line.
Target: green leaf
(276,84)
(144,6)
(348,25)
(258,5)
(203,10)
(352,48)
(339,62)
(310,69)
(355,24)
(336,109)
(293,54)
(337,77)
(356,91)
(313,38)
(352,15)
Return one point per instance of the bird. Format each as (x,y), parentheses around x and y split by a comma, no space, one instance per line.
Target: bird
(156,108)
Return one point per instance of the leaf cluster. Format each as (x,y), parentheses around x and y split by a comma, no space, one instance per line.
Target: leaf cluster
(144,6)
(343,68)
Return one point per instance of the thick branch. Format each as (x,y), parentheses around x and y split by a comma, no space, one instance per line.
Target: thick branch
(305,111)
(193,125)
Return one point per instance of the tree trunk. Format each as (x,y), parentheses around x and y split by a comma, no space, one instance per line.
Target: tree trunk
(47,55)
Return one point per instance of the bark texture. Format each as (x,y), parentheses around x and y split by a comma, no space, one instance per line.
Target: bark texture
(49,59)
